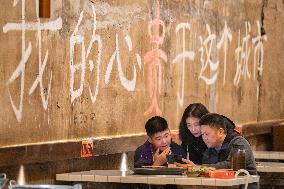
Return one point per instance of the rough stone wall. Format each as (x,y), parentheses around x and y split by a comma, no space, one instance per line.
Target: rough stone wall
(96,68)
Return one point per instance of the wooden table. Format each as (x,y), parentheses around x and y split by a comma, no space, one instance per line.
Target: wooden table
(116,176)
(271,173)
(268,155)
(270,167)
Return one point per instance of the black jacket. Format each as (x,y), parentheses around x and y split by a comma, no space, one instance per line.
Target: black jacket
(195,147)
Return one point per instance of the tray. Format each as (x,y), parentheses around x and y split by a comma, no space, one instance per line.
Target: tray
(221,174)
(159,171)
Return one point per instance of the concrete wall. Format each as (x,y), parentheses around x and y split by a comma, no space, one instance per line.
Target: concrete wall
(100,69)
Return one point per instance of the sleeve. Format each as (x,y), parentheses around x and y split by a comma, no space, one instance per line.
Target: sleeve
(219,165)
(209,158)
(178,150)
(184,145)
(205,157)
(137,162)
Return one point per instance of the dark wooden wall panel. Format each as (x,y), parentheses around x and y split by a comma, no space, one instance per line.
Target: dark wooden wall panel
(278,135)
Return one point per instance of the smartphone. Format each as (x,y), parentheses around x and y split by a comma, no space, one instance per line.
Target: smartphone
(171,158)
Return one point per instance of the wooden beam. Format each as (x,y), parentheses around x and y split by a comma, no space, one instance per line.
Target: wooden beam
(69,150)
(259,128)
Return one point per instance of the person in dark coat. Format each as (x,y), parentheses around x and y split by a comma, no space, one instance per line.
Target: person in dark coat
(220,140)
(190,132)
(158,145)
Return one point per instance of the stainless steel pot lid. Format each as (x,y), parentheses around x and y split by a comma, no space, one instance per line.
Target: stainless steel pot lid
(3,179)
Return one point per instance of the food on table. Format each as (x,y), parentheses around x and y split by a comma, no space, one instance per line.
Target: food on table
(196,171)
(153,166)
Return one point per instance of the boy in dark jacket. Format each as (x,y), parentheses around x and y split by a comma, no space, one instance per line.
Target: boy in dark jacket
(159,144)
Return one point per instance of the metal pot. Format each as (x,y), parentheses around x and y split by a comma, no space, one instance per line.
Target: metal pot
(3,179)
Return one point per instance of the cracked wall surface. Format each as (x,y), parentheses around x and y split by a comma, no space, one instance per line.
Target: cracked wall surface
(101,69)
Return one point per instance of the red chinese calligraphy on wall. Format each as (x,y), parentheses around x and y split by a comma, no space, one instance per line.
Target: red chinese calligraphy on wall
(153,60)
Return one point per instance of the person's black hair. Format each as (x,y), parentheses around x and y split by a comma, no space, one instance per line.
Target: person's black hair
(194,110)
(214,120)
(230,125)
(155,124)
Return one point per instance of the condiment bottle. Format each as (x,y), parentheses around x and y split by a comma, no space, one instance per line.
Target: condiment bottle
(238,157)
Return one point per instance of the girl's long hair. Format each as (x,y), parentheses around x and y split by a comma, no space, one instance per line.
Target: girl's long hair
(194,110)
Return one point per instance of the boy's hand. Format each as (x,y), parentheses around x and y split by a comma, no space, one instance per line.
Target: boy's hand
(161,158)
(188,162)
(187,165)
(181,165)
